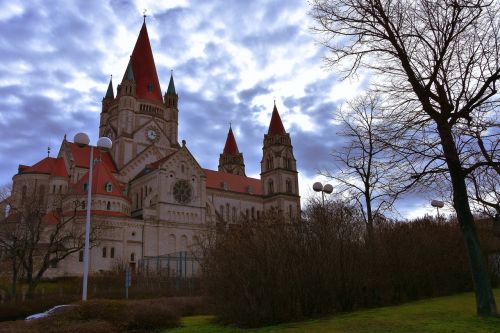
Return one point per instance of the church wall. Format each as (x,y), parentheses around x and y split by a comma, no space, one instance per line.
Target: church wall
(239,204)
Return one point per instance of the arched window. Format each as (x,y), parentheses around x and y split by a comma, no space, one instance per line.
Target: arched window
(222,211)
(171,243)
(108,206)
(83,204)
(289,186)
(234,214)
(109,187)
(290,211)
(184,243)
(23,194)
(85,186)
(41,193)
(253,212)
(227,212)
(60,188)
(104,250)
(112,252)
(270,187)
(132,257)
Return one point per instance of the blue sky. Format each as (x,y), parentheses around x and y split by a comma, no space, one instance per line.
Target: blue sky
(231,59)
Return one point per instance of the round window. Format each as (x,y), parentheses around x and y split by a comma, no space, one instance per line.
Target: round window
(182,191)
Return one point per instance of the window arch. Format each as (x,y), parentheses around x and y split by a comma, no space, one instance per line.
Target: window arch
(23,194)
(184,243)
(270,187)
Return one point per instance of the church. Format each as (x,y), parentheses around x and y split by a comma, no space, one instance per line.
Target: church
(148,189)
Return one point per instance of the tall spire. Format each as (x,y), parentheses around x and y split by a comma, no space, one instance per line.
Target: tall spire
(109,93)
(129,73)
(171,85)
(143,68)
(231,147)
(276,126)
(231,160)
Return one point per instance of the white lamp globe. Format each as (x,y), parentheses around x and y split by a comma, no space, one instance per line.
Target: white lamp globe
(81,139)
(104,142)
(328,188)
(317,186)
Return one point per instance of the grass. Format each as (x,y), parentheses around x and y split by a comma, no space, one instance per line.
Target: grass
(452,314)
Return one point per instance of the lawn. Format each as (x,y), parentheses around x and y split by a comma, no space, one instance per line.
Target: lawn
(445,314)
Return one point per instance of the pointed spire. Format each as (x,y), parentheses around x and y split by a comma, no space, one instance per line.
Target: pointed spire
(129,73)
(276,126)
(231,148)
(143,69)
(171,85)
(109,92)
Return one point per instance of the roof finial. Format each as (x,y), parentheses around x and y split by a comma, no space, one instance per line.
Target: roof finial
(144,14)
(48,151)
(230,125)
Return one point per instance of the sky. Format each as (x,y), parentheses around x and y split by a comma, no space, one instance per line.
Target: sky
(230,61)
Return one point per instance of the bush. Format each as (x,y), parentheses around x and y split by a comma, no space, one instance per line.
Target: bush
(152,315)
(268,271)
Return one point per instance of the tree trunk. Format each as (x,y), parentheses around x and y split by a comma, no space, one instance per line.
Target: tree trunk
(485,301)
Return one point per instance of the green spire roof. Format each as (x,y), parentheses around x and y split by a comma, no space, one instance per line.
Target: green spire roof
(129,74)
(109,92)
(171,85)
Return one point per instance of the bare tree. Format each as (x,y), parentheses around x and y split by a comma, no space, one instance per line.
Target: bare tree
(37,237)
(367,174)
(439,63)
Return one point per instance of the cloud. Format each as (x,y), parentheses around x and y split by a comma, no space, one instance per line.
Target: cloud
(231,59)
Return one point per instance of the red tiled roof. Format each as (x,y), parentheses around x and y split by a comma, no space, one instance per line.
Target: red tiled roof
(49,165)
(81,156)
(144,69)
(231,148)
(276,126)
(100,177)
(59,169)
(235,183)
(43,166)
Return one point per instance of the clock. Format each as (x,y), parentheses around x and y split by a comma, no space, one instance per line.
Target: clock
(151,133)
(182,191)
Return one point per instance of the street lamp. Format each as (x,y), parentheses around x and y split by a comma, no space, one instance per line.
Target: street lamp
(438,204)
(82,140)
(318,187)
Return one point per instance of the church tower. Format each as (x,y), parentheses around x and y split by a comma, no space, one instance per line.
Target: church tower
(231,160)
(279,174)
(142,124)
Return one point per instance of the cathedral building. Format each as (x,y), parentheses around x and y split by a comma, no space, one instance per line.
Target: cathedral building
(148,188)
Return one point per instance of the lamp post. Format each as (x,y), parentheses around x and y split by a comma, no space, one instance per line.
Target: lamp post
(438,204)
(318,187)
(82,140)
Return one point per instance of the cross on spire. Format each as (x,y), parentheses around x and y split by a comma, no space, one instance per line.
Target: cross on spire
(144,14)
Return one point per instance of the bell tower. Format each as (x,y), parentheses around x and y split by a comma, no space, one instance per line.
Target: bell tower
(139,120)
(279,174)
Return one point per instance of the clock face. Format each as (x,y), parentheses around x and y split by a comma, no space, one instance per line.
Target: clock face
(182,191)
(152,134)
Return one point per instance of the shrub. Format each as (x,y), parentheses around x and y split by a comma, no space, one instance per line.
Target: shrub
(267,271)
(149,315)
(112,311)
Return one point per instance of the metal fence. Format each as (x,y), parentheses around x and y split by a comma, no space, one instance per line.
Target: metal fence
(175,265)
